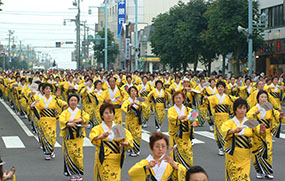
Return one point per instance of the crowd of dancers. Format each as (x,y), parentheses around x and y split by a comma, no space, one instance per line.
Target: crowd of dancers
(97,100)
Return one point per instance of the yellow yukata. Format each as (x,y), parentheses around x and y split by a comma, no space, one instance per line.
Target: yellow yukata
(245,91)
(271,120)
(124,89)
(133,122)
(189,96)
(221,108)
(175,86)
(231,90)
(238,150)
(96,106)
(47,122)
(116,98)
(144,90)
(276,93)
(158,99)
(167,83)
(88,102)
(72,141)
(252,100)
(108,155)
(164,172)
(201,105)
(180,133)
(68,91)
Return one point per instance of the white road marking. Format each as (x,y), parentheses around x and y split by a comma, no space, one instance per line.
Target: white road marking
(206,134)
(145,137)
(87,142)
(196,141)
(13,142)
(20,122)
(282,135)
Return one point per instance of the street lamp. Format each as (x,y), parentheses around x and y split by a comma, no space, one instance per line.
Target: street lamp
(249,34)
(106,29)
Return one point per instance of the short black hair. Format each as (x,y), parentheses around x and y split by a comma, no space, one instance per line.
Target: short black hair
(110,78)
(89,79)
(240,102)
(193,170)
(221,83)
(106,106)
(158,81)
(261,92)
(133,87)
(73,95)
(97,82)
(47,85)
(129,77)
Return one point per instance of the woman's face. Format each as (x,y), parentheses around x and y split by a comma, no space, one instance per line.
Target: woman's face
(221,89)
(99,85)
(262,98)
(177,79)
(159,86)
(241,111)
(247,82)
(47,91)
(133,93)
(73,101)
(159,148)
(144,80)
(213,83)
(108,115)
(275,81)
(178,99)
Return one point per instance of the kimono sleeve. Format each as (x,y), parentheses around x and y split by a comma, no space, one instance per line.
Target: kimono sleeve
(125,106)
(250,113)
(226,126)
(63,120)
(180,173)
(129,138)
(172,116)
(138,171)
(85,117)
(94,133)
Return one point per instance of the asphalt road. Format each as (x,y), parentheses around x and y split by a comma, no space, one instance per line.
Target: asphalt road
(19,148)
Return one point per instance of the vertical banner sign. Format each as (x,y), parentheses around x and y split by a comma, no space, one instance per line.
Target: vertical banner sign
(127,48)
(121,15)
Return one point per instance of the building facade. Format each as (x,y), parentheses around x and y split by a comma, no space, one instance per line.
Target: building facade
(271,58)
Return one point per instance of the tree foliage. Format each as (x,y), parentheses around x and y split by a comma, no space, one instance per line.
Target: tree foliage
(199,30)
(113,48)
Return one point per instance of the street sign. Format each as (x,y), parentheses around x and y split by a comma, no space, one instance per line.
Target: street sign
(121,15)
(127,49)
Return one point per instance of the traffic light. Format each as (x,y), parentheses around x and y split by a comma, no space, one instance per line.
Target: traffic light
(58,44)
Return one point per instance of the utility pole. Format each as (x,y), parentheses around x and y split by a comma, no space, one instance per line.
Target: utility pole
(136,31)
(250,46)
(106,35)
(9,44)
(78,34)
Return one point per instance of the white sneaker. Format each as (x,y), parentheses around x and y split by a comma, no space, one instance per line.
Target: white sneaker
(270,176)
(259,175)
(47,157)
(221,152)
(211,128)
(79,178)
(52,155)
(158,130)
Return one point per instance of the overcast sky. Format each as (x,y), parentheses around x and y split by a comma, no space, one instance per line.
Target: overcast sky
(39,23)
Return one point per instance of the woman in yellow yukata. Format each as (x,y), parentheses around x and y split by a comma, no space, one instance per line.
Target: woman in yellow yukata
(155,169)
(262,154)
(176,85)
(133,109)
(210,91)
(180,130)
(98,102)
(144,89)
(200,103)
(247,89)
(73,136)
(275,90)
(108,157)
(239,143)
(114,96)
(220,106)
(88,101)
(158,97)
(48,106)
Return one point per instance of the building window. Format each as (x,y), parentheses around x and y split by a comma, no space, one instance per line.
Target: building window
(274,16)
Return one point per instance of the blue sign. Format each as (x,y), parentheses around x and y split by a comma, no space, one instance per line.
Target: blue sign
(121,15)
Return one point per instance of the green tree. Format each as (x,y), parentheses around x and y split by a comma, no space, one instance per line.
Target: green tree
(113,48)
(224,16)
(165,41)
(1,5)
